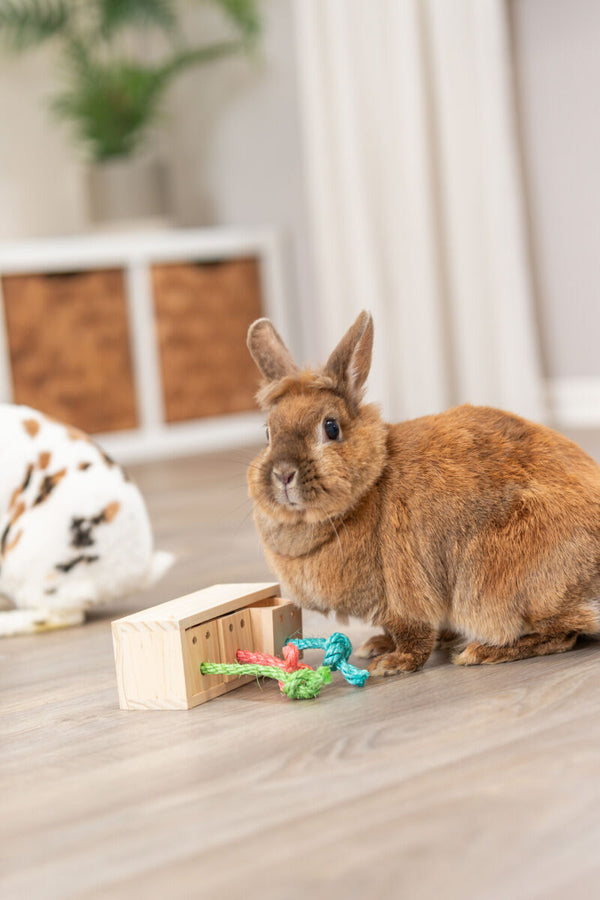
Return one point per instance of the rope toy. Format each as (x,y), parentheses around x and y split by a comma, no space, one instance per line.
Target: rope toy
(337,653)
(289,663)
(302,684)
(296,680)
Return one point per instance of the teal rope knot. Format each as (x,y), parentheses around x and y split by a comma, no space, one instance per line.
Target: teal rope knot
(337,653)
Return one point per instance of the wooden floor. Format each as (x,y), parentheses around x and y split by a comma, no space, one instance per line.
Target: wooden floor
(472,783)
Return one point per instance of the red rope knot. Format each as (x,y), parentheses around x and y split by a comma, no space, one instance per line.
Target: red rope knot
(291,655)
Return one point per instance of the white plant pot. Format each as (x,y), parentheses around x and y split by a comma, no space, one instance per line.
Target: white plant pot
(131,193)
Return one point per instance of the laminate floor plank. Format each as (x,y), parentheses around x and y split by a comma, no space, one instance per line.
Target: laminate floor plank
(476,782)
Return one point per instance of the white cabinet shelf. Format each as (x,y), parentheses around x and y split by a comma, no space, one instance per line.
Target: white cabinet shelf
(48,345)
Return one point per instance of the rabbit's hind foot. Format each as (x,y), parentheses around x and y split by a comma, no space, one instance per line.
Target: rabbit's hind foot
(32,621)
(476,654)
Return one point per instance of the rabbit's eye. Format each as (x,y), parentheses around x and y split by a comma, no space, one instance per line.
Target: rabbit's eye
(331,429)
(267,433)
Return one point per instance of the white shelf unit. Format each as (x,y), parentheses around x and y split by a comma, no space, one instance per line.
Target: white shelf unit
(134,254)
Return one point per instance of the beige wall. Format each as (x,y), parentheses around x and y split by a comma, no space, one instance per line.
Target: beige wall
(41,191)
(557,44)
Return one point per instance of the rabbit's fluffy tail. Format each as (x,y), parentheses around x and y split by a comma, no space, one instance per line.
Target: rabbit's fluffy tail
(32,621)
(160,563)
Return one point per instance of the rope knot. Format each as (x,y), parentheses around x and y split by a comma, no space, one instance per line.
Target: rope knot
(291,655)
(337,653)
(337,650)
(304,684)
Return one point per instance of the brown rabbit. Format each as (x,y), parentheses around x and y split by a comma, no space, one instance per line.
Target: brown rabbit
(474,521)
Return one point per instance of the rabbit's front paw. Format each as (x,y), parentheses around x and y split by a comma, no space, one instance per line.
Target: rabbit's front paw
(392,663)
(376,645)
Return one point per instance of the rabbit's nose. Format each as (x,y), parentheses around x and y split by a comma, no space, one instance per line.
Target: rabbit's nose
(285,474)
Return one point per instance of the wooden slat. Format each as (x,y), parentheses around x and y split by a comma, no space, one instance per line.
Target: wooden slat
(206,603)
(201,644)
(235,633)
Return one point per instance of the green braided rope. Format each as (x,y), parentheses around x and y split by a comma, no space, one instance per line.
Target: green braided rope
(303,684)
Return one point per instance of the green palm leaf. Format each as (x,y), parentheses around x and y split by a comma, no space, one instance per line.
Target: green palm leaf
(115,14)
(243,14)
(111,106)
(27,23)
(110,97)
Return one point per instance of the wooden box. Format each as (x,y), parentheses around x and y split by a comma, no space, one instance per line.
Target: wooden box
(158,651)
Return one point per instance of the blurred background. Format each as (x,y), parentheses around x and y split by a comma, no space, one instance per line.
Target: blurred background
(171,170)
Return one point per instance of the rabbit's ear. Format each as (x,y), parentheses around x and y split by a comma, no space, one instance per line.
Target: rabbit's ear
(350,362)
(269,352)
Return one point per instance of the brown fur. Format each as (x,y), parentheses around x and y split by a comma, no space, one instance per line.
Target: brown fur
(76,434)
(44,459)
(18,512)
(48,485)
(22,487)
(111,511)
(474,521)
(31,426)
(13,543)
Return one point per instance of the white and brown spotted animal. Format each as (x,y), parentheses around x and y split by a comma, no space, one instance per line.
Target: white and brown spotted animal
(74,530)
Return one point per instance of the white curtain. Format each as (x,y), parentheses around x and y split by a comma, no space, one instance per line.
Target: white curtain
(416,208)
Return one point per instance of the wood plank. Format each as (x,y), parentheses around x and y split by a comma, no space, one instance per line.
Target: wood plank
(206,603)
(235,633)
(201,644)
(274,624)
(149,667)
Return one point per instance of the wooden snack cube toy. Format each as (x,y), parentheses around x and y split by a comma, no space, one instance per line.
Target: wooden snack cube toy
(158,651)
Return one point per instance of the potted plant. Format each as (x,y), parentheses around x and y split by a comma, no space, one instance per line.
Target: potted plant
(112,88)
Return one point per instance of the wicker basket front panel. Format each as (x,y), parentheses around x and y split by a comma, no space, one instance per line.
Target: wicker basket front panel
(69,347)
(202,314)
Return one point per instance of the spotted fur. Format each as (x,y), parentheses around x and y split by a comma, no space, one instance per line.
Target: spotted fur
(74,530)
